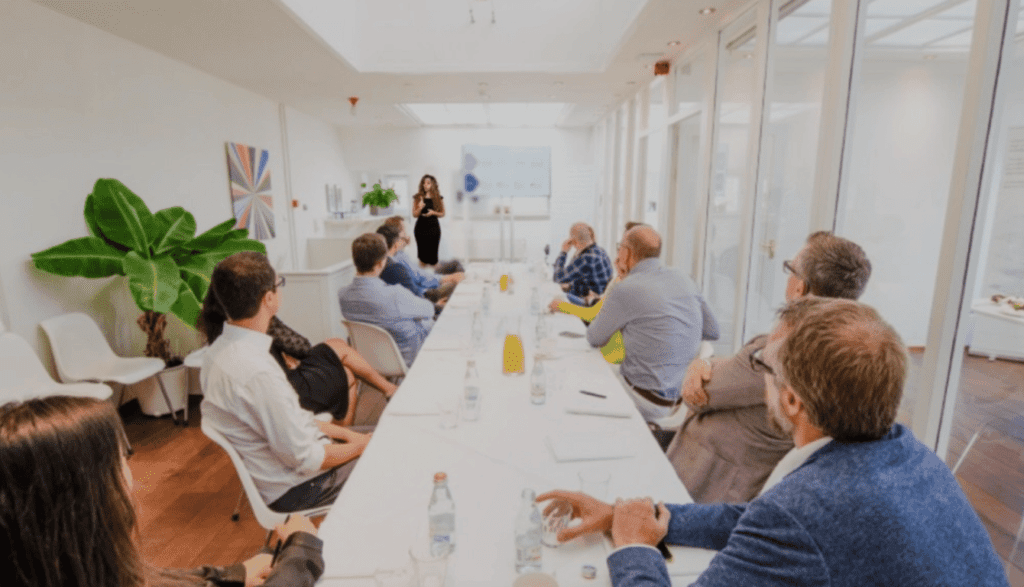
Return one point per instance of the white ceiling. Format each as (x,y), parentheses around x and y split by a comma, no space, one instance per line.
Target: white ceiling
(457,36)
(389,59)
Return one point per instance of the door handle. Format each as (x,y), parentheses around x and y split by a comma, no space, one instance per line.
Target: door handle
(769,247)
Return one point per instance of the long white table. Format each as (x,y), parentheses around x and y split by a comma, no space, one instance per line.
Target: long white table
(382,511)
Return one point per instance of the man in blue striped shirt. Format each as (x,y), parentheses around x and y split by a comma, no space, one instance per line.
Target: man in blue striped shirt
(589,271)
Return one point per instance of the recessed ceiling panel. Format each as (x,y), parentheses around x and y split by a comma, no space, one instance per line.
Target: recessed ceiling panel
(453,36)
(901,8)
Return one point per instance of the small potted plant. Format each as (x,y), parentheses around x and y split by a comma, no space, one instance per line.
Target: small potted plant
(379,199)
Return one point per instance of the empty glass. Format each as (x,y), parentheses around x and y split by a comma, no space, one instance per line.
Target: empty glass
(430,569)
(556,517)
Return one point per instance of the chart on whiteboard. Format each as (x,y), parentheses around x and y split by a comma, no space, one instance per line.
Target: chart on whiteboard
(503,171)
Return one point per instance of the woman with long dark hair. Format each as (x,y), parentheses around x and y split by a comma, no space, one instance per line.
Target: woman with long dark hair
(67,518)
(427,207)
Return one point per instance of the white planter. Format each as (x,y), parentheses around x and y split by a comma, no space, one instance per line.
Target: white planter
(177,381)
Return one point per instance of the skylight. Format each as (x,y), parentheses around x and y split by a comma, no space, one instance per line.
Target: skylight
(505,114)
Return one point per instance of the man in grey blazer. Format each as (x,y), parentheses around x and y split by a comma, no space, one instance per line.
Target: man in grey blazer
(726,447)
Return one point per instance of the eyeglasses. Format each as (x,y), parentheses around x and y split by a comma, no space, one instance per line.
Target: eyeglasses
(758,364)
(280,282)
(787,267)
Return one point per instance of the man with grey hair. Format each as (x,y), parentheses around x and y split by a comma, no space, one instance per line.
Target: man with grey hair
(858,501)
(662,318)
(725,449)
(589,271)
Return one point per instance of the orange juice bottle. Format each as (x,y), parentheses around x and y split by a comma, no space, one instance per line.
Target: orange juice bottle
(503,282)
(513,358)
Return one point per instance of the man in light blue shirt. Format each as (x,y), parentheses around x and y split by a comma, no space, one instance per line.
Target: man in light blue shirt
(662,318)
(405,316)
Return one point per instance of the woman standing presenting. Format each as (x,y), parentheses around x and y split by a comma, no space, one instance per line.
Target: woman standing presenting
(427,207)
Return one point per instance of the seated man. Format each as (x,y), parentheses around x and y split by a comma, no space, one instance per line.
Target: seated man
(392,307)
(859,501)
(662,318)
(247,398)
(726,447)
(395,273)
(589,271)
(432,285)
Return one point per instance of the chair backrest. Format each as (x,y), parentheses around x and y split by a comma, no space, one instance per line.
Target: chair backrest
(78,345)
(377,346)
(23,377)
(264,515)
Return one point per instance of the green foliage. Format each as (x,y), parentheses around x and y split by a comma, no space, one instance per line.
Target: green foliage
(379,197)
(167,265)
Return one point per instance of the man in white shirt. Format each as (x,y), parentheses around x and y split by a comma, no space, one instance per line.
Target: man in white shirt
(295,461)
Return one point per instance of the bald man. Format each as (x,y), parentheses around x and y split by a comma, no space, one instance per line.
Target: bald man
(662,318)
(589,271)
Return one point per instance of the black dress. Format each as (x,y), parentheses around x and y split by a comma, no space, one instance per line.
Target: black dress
(428,234)
(319,379)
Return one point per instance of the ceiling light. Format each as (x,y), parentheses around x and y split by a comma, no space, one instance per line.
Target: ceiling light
(706,11)
(674,43)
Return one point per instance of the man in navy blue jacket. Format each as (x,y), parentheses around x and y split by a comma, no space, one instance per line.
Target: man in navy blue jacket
(859,501)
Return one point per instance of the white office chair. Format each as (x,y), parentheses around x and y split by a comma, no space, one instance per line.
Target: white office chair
(674,420)
(23,377)
(378,348)
(266,517)
(82,353)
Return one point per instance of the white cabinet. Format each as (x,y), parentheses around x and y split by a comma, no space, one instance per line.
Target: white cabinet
(996,334)
(309,301)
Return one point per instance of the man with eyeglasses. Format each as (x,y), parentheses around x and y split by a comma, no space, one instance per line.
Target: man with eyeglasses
(662,318)
(726,448)
(858,501)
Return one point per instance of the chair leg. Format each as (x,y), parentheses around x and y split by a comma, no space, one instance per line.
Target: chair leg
(167,399)
(967,449)
(238,506)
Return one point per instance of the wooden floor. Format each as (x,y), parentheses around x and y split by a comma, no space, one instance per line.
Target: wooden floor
(186,487)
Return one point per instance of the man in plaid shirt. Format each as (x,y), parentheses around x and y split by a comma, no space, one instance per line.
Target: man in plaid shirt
(589,271)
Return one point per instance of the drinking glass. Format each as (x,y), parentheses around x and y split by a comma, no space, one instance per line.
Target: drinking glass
(430,569)
(448,407)
(556,517)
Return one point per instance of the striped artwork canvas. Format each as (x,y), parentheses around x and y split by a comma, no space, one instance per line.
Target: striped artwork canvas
(251,201)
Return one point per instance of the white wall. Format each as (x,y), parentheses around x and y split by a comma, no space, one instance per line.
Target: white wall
(79,104)
(438,151)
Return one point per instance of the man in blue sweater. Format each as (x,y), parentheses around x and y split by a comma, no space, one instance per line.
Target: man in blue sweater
(858,501)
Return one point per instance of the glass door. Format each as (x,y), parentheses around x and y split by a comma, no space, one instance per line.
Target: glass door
(986,439)
(740,83)
(798,59)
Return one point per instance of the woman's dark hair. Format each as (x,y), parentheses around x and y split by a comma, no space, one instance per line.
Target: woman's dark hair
(236,290)
(66,515)
(434,193)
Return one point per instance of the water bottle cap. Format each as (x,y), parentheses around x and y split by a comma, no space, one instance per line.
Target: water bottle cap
(440,476)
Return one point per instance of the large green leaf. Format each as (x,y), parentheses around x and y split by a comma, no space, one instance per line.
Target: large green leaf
(211,238)
(196,271)
(187,307)
(122,216)
(88,256)
(171,227)
(153,283)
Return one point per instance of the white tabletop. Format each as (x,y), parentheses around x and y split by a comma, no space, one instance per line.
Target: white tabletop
(382,510)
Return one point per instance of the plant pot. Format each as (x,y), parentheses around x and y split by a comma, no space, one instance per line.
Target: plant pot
(177,382)
(376,211)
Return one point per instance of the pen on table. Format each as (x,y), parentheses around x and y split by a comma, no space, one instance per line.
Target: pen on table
(585,392)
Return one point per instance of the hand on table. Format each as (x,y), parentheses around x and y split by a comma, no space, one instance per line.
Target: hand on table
(594,514)
(633,522)
(697,374)
(355,439)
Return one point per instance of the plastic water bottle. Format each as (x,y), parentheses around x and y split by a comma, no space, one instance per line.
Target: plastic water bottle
(538,385)
(535,307)
(485,300)
(441,513)
(478,330)
(528,534)
(541,330)
(471,397)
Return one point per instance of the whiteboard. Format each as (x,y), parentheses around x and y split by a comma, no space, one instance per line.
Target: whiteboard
(502,171)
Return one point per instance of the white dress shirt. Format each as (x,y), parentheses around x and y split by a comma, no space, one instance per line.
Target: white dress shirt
(248,399)
(792,461)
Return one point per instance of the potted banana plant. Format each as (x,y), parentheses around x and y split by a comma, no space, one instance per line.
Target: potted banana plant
(168,267)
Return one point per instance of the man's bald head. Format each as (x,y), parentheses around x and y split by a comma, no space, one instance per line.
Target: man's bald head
(643,241)
(582,233)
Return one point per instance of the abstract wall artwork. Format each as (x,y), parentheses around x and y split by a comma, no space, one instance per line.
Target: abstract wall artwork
(251,201)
